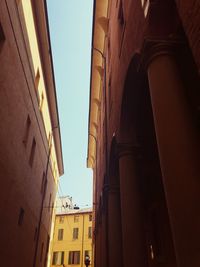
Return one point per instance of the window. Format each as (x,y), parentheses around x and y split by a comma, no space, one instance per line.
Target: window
(74,257)
(43,184)
(35,234)
(60,234)
(27,130)
(37,78)
(90,217)
(49,139)
(89,232)
(21,216)
(49,206)
(41,101)
(61,219)
(2,37)
(52,207)
(76,218)
(37,81)
(47,248)
(41,253)
(75,233)
(32,154)
(121,14)
(58,258)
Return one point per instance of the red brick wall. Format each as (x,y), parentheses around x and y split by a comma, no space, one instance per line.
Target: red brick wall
(124,41)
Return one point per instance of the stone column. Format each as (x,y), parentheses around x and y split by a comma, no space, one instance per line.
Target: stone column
(178,146)
(114,227)
(104,249)
(133,234)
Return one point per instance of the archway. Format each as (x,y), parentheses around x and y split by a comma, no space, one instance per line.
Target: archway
(147,238)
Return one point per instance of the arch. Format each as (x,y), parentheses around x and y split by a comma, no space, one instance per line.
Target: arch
(132,95)
(140,175)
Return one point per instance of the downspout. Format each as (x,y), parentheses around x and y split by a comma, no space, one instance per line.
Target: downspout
(95,202)
(42,204)
(82,242)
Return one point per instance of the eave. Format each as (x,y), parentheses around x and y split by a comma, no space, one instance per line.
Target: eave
(100,23)
(44,43)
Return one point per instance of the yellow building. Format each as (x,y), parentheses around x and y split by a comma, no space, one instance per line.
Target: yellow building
(72,238)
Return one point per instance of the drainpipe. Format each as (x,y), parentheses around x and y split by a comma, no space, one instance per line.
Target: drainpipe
(42,203)
(95,204)
(82,241)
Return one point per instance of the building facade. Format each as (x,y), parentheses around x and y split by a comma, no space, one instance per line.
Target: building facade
(72,238)
(144,134)
(31,154)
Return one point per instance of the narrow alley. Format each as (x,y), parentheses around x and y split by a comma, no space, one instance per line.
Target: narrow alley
(100,134)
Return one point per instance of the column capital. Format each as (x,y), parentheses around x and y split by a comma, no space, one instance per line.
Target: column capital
(127,149)
(153,48)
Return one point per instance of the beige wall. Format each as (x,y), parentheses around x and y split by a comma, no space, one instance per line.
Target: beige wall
(21,180)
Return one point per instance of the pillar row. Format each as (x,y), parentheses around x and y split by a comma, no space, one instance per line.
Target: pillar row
(178,145)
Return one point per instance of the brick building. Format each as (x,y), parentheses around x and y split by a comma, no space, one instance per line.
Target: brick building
(30,154)
(144,134)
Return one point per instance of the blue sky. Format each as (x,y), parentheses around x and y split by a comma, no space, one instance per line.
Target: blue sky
(71,28)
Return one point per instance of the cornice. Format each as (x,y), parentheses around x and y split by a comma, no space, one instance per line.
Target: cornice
(100,27)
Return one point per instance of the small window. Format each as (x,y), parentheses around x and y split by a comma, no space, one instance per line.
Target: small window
(76,218)
(61,219)
(90,217)
(74,257)
(27,131)
(41,253)
(43,182)
(58,258)
(35,234)
(2,37)
(60,234)
(32,154)
(21,216)
(37,78)
(41,101)
(121,14)
(49,206)
(49,139)
(89,232)
(75,233)
(52,207)
(54,168)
